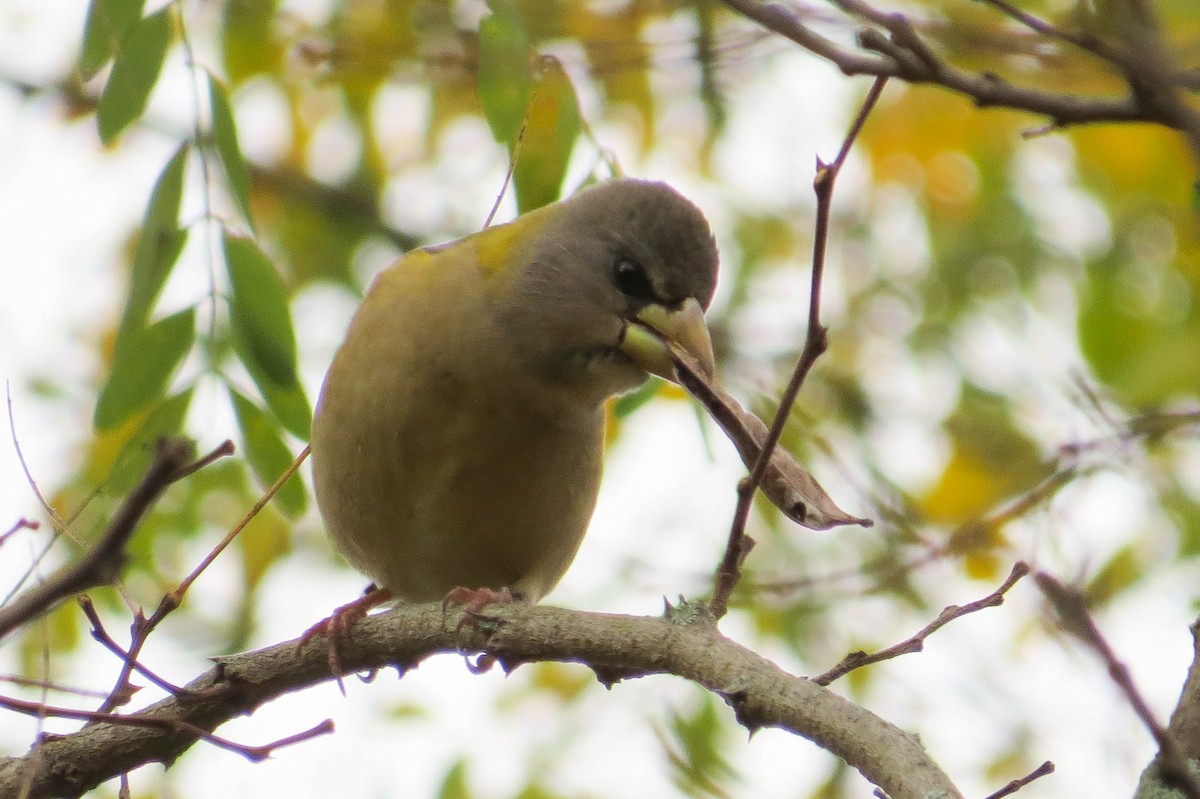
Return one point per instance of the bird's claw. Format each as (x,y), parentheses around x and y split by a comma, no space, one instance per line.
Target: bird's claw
(341,620)
(475,600)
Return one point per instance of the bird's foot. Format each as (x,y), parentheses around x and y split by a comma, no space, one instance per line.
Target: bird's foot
(341,620)
(475,600)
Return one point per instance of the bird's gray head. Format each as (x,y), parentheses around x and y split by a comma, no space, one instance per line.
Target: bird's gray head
(599,262)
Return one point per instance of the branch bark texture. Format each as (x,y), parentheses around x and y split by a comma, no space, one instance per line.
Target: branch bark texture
(686,643)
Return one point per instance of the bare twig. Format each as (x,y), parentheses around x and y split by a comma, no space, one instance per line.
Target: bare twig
(27,682)
(252,753)
(101,635)
(56,520)
(1150,72)
(815,343)
(1160,424)
(1083,41)
(1074,617)
(907,57)
(103,562)
(176,596)
(1043,770)
(222,450)
(18,526)
(856,660)
(142,626)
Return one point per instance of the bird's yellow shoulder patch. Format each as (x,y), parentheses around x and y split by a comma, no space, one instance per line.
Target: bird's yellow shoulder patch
(501,247)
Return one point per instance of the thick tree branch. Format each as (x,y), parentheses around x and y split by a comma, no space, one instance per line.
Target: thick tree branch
(686,644)
(1184,727)
(1172,762)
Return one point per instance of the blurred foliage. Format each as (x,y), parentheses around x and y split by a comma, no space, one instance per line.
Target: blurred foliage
(694,745)
(961,227)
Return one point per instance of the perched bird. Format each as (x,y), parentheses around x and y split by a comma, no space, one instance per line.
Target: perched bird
(458,438)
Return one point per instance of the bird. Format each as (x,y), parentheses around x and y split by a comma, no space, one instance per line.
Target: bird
(458,438)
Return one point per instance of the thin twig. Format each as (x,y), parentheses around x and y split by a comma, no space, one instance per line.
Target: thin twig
(986,89)
(60,526)
(141,627)
(1083,41)
(1074,617)
(856,660)
(106,640)
(222,450)
(27,682)
(103,562)
(1043,770)
(516,148)
(181,589)
(815,343)
(252,753)
(18,526)
(1151,73)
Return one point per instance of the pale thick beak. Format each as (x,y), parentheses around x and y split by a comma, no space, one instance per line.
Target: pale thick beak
(645,334)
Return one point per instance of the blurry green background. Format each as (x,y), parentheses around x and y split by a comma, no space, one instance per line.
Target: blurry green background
(1013,371)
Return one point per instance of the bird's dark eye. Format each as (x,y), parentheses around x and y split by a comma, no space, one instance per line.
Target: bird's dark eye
(632,281)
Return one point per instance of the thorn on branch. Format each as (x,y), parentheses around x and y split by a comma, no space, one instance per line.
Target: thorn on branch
(608,676)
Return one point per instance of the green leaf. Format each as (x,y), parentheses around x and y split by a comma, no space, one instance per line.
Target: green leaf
(290,406)
(262,321)
(138,64)
(288,403)
(158,246)
(164,420)
(225,136)
(694,747)
(626,404)
(1124,569)
(505,82)
(269,456)
(108,21)
(553,125)
(536,117)
(248,41)
(454,785)
(1138,326)
(142,368)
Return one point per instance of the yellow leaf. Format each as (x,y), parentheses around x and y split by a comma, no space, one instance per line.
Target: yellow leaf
(982,566)
(967,488)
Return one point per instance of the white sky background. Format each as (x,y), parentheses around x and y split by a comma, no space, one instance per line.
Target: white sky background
(67,207)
